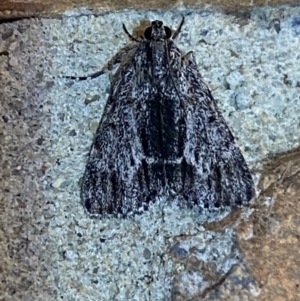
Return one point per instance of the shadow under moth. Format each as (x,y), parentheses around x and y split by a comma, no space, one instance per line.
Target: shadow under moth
(161,133)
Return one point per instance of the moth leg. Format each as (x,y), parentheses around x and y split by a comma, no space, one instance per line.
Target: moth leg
(177,31)
(188,55)
(117,59)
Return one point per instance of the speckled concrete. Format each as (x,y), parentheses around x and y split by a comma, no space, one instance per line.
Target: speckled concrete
(51,249)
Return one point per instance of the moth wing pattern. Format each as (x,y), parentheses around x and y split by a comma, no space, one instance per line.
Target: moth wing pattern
(218,173)
(161,133)
(109,184)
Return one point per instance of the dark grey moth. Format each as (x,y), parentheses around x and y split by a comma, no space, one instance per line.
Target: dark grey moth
(161,133)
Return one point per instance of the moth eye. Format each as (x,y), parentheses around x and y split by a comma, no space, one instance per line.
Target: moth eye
(147,33)
(160,23)
(168,32)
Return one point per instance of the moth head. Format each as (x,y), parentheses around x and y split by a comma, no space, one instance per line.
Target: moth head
(157,31)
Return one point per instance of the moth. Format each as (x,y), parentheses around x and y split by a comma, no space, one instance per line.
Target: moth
(161,133)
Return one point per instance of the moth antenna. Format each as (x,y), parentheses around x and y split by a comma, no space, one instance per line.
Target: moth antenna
(177,31)
(131,37)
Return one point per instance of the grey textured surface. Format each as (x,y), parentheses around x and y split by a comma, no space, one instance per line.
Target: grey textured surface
(50,248)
